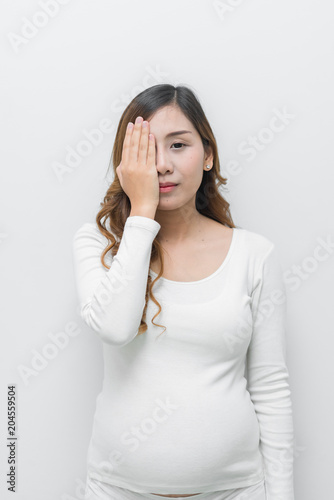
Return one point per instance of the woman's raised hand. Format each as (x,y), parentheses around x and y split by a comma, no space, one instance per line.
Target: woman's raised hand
(137,171)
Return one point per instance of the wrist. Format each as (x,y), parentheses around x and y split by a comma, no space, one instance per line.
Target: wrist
(143,211)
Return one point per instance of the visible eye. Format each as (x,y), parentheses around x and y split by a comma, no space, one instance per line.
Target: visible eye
(178,143)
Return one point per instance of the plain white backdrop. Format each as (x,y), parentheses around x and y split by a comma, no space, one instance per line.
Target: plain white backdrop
(71,67)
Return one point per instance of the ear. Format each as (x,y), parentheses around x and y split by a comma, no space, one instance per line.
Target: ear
(208,155)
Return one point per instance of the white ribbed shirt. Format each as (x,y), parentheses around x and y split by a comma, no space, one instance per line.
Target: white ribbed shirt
(206,405)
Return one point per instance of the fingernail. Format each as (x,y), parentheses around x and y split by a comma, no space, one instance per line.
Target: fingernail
(144,124)
(138,119)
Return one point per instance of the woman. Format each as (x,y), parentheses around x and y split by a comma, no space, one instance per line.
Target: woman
(201,408)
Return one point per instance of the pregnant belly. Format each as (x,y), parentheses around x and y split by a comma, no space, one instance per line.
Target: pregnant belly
(175,496)
(182,440)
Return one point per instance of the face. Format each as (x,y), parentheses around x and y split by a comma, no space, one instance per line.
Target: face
(180,158)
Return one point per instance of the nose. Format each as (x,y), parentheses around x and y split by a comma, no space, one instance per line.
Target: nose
(163,162)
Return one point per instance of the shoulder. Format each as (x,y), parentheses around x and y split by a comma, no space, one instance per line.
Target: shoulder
(262,256)
(89,233)
(88,228)
(250,243)
(256,249)
(256,242)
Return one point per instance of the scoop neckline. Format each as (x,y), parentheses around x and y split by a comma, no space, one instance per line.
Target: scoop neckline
(220,268)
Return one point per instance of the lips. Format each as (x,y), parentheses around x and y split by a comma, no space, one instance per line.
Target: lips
(166,184)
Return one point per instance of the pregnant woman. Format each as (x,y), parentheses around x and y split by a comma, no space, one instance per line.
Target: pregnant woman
(190,310)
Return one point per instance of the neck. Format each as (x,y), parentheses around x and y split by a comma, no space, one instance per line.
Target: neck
(179,226)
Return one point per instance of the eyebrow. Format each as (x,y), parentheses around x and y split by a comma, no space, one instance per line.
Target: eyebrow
(179,132)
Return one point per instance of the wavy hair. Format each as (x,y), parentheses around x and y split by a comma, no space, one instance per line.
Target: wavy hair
(116,205)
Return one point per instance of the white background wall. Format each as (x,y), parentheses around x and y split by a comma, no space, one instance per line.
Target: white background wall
(78,70)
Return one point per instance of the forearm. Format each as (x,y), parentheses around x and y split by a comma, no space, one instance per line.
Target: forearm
(270,393)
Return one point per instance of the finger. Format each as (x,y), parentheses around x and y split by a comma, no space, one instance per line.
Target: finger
(134,144)
(142,153)
(126,143)
(151,150)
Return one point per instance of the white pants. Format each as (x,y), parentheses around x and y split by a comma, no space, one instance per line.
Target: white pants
(97,490)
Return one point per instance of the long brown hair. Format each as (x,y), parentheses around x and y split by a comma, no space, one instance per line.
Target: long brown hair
(116,205)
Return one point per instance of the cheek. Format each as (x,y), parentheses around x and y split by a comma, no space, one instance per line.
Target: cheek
(191,159)
(191,167)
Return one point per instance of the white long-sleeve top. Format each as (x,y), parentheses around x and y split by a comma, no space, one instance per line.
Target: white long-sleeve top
(205,406)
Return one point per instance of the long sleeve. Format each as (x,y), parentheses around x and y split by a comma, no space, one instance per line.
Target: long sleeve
(112,300)
(268,377)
